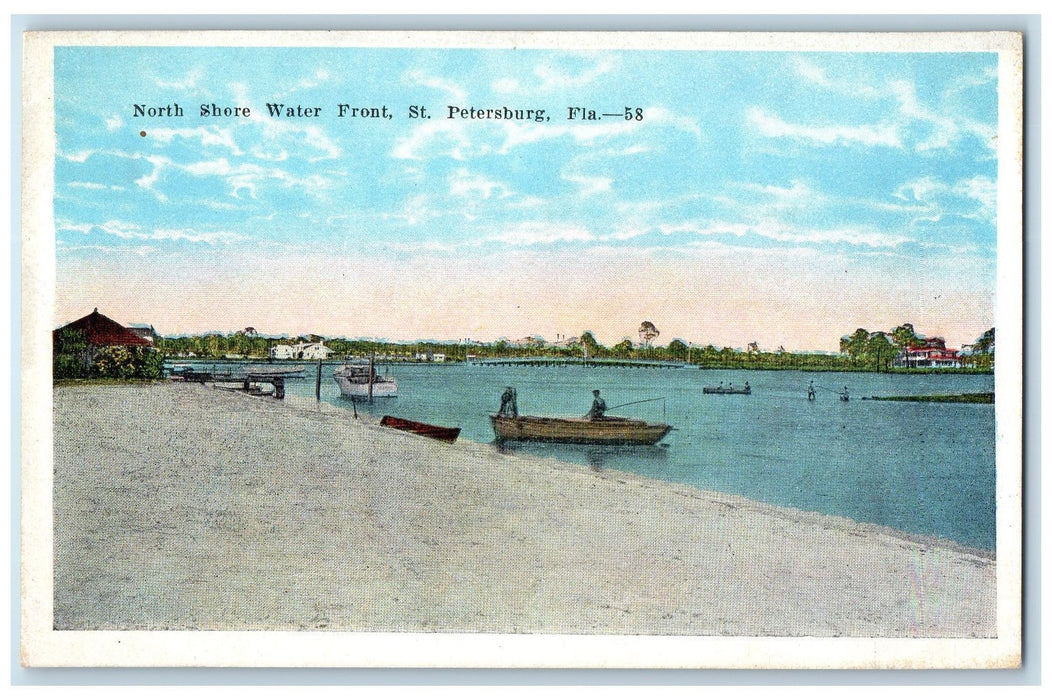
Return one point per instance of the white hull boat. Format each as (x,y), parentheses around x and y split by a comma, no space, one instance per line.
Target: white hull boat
(362,382)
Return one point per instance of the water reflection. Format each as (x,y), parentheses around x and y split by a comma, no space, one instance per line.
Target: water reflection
(595,456)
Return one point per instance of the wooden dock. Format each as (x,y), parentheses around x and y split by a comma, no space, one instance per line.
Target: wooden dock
(250,377)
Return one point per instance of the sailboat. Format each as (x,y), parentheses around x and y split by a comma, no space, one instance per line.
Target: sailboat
(360,381)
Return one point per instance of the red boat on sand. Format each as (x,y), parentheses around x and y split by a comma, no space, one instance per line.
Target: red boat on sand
(437,432)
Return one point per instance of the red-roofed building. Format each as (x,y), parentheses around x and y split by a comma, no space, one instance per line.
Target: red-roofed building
(100,331)
(96,332)
(933,353)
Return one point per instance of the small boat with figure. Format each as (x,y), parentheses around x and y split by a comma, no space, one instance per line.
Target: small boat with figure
(362,382)
(596,428)
(609,430)
(730,389)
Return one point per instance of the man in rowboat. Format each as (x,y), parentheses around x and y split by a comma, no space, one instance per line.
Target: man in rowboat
(598,407)
(508,405)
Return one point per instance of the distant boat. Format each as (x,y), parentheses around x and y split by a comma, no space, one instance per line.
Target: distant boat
(606,431)
(362,381)
(437,432)
(726,390)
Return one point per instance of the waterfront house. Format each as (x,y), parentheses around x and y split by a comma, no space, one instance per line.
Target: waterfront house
(98,332)
(931,353)
(300,351)
(430,357)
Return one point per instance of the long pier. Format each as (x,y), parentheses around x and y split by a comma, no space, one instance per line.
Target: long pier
(574,362)
(249,377)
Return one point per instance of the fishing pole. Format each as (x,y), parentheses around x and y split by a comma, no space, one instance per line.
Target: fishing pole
(632,403)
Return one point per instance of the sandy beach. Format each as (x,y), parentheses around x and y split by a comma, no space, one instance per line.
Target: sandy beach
(185,507)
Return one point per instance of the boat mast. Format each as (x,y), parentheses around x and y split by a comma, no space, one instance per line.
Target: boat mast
(372,356)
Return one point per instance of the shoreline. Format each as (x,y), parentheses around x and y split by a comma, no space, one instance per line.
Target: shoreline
(788,512)
(400,533)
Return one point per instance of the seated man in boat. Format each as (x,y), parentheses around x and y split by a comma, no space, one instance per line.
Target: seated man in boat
(598,407)
(508,405)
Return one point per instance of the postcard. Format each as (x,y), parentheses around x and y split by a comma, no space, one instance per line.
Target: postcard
(522,349)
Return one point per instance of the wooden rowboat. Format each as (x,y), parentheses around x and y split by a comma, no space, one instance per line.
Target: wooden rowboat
(437,432)
(726,390)
(606,431)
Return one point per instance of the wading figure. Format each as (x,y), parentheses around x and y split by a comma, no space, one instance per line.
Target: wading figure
(811,391)
(598,407)
(508,404)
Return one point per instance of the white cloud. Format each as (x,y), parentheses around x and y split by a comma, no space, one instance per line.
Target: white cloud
(590,185)
(188,82)
(473,186)
(131,231)
(94,186)
(438,137)
(921,190)
(66,225)
(553,79)
(829,134)
(936,127)
(206,136)
(797,195)
(220,166)
(211,237)
(506,86)
(943,130)
(983,191)
(817,75)
(783,232)
(147,182)
(248,176)
(528,233)
(454,92)
(414,211)
(662,115)
(974,197)
(78,156)
(319,77)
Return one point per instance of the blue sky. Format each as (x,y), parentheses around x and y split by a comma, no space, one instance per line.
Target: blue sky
(784,198)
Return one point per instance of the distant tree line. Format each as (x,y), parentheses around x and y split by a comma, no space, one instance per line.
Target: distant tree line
(877,350)
(861,351)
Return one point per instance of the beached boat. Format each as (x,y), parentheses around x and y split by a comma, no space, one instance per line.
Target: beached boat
(437,432)
(727,390)
(362,382)
(605,431)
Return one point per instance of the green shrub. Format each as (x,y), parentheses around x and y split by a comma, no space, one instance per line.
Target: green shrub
(69,355)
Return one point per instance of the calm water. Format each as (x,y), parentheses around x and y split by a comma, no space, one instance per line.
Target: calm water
(918,467)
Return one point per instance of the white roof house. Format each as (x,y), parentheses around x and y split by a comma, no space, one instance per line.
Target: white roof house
(300,351)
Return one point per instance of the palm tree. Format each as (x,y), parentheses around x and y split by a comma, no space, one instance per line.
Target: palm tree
(623,349)
(985,344)
(647,332)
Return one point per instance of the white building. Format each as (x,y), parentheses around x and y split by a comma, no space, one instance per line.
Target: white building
(300,351)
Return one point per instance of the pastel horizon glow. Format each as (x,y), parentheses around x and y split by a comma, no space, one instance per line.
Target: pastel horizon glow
(782,198)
